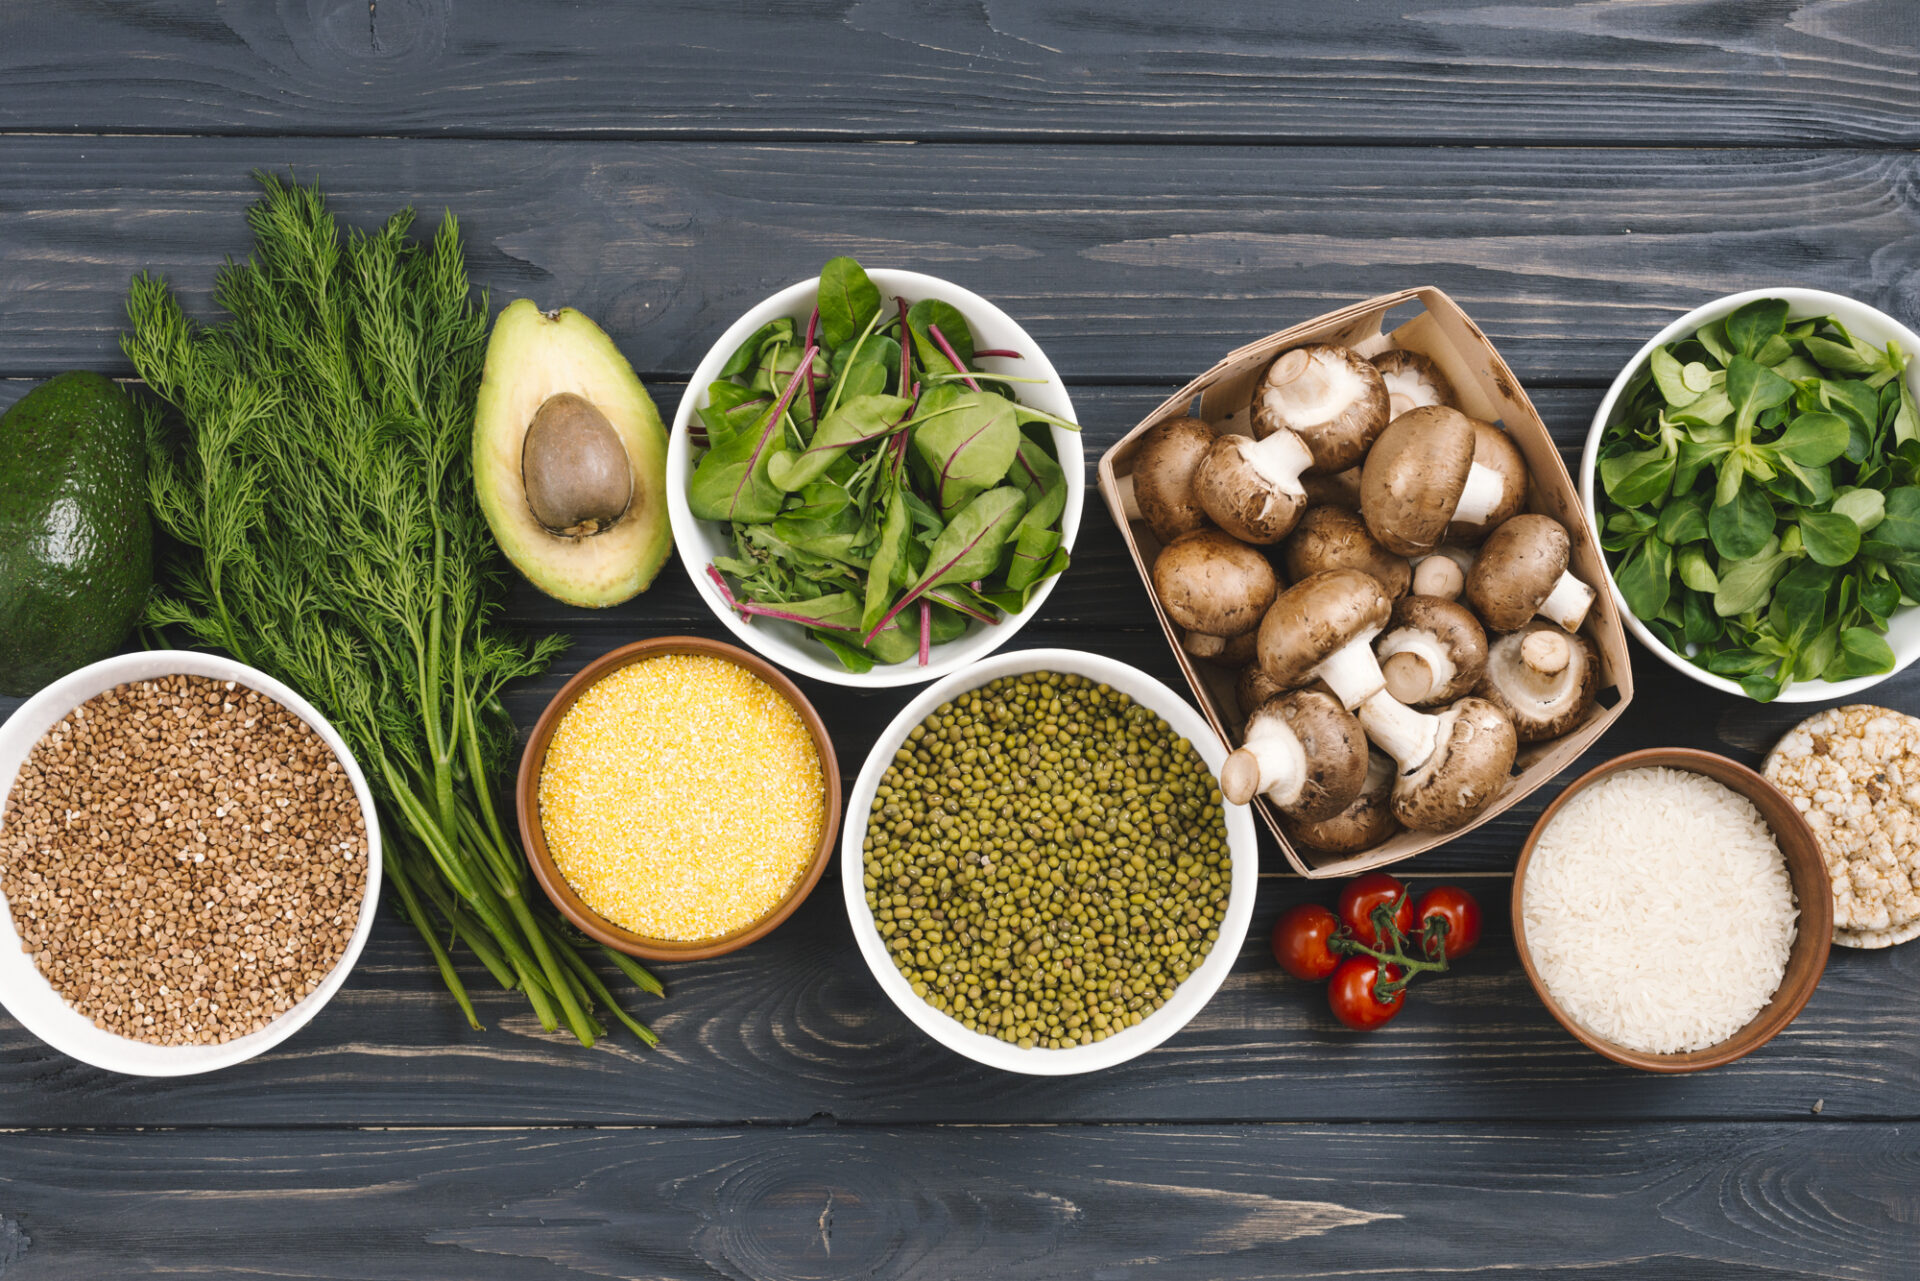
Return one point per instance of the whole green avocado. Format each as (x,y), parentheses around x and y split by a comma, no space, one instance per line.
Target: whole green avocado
(76,544)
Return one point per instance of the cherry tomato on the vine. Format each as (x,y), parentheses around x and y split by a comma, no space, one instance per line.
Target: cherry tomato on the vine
(1458,909)
(1300,941)
(1352,997)
(1362,894)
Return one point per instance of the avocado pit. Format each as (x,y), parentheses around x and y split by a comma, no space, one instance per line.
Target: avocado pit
(574,469)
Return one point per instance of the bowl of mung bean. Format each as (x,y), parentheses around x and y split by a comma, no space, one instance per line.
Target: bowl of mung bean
(190,863)
(1038,865)
(678,798)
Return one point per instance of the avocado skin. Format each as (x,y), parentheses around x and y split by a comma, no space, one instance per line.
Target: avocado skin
(76,543)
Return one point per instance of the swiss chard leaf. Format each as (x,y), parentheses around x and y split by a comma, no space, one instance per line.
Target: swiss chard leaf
(856,422)
(849,301)
(747,354)
(968,446)
(925,314)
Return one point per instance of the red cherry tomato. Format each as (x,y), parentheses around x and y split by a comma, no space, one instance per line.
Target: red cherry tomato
(1300,941)
(1362,894)
(1459,910)
(1352,998)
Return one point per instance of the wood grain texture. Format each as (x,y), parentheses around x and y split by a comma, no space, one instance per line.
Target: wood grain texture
(1127,264)
(1699,71)
(1226,1202)
(795,1027)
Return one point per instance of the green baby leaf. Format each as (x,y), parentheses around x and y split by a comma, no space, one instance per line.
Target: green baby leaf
(1751,327)
(888,569)
(1862,652)
(1864,507)
(1740,528)
(967,446)
(856,422)
(1829,537)
(849,300)
(1696,569)
(1646,577)
(1812,439)
(925,314)
(1637,478)
(1745,583)
(747,354)
(1895,541)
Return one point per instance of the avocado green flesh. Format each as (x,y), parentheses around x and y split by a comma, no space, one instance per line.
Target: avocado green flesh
(76,544)
(533,356)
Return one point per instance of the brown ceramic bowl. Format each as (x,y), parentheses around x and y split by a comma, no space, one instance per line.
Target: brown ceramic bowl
(571,905)
(1805,868)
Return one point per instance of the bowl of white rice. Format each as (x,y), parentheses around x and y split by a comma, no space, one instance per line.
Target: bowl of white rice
(1672,910)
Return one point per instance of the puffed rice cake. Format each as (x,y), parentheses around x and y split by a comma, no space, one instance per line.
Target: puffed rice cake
(1854,774)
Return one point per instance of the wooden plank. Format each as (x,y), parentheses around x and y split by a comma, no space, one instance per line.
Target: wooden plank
(1219,1202)
(795,1027)
(1686,71)
(1128,264)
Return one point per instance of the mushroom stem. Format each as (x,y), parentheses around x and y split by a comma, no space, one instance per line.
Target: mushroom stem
(1568,602)
(1415,664)
(1544,654)
(1352,672)
(1280,459)
(1270,761)
(1398,730)
(1438,574)
(1483,493)
(1203,644)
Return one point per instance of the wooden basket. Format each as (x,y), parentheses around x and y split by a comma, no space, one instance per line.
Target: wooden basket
(1431,323)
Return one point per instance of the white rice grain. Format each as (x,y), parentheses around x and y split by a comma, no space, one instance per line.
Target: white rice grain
(1659,911)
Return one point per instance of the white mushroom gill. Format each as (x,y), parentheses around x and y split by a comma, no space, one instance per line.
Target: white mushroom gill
(1408,389)
(1305,390)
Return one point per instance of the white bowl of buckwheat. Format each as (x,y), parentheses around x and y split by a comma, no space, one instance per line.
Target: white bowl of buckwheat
(189,863)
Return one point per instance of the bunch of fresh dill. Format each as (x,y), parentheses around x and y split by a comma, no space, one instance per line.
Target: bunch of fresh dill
(315,476)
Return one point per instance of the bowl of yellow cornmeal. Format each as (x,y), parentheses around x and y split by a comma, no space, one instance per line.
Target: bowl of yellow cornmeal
(678,798)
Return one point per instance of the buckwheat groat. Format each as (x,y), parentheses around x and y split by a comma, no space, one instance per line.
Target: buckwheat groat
(1854,774)
(184,858)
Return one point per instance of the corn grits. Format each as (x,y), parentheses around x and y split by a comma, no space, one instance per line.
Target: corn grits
(682,797)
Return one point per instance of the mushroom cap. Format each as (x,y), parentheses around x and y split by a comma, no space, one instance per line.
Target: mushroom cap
(1543,699)
(1314,618)
(1223,651)
(1211,583)
(1253,687)
(1453,627)
(1516,570)
(1472,757)
(1163,470)
(1413,380)
(1413,478)
(1333,489)
(1330,396)
(1494,450)
(1336,538)
(1365,822)
(1241,498)
(1335,747)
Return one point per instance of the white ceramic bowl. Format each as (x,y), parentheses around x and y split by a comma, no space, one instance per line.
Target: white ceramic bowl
(1188,998)
(31,999)
(1903,631)
(699,541)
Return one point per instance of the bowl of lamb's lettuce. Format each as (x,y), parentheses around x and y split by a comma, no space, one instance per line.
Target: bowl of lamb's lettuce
(875,477)
(1754,478)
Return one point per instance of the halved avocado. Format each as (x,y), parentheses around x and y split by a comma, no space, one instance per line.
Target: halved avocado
(570,458)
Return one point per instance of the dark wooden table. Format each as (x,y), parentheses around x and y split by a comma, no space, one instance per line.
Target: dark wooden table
(1144,185)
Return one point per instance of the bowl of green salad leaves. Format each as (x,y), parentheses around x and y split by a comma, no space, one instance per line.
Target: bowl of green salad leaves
(1754,475)
(875,478)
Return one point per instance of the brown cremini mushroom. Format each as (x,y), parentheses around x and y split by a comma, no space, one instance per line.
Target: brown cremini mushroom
(1252,488)
(1452,763)
(1324,626)
(1303,751)
(1543,678)
(1329,396)
(1213,586)
(1232,651)
(1494,451)
(1365,822)
(1253,687)
(1433,651)
(1442,572)
(1413,382)
(1421,476)
(1522,571)
(1163,469)
(1332,489)
(1336,538)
